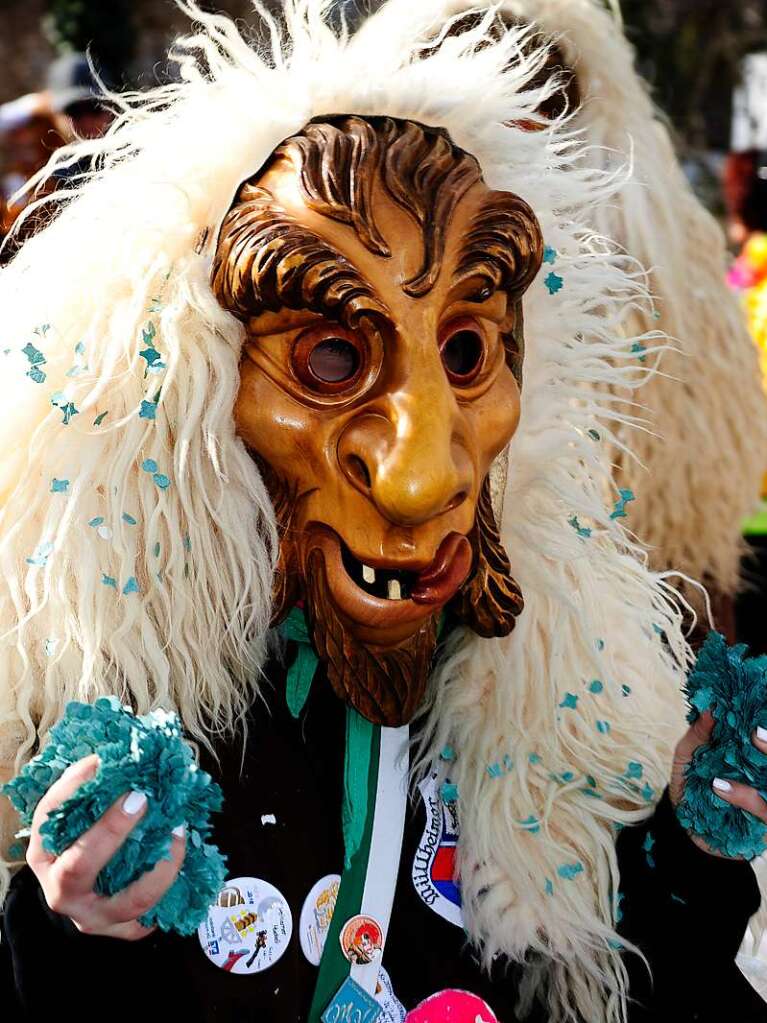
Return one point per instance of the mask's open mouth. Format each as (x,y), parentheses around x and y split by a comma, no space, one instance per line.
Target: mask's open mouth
(384,583)
(385,596)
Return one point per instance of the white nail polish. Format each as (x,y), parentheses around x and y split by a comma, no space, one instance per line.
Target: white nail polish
(179,831)
(133,803)
(721,785)
(761,734)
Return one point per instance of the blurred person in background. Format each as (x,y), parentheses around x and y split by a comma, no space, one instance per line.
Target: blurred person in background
(33,126)
(28,136)
(745,193)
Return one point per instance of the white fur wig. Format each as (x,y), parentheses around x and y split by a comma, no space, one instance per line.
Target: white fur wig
(137,542)
(698,466)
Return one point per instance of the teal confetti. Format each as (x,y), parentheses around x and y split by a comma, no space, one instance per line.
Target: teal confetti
(532,824)
(50,647)
(554,283)
(634,769)
(188,547)
(648,846)
(129,519)
(594,435)
(619,510)
(733,687)
(582,531)
(658,630)
(79,348)
(59,486)
(639,349)
(494,770)
(149,465)
(534,758)
(591,781)
(603,727)
(616,946)
(549,254)
(570,701)
(40,558)
(679,899)
(67,408)
(100,418)
(508,763)
(131,586)
(626,690)
(98,521)
(157,550)
(566,777)
(148,410)
(548,887)
(569,871)
(36,359)
(146,754)
(449,792)
(108,580)
(596,687)
(34,355)
(42,330)
(600,645)
(648,793)
(161,480)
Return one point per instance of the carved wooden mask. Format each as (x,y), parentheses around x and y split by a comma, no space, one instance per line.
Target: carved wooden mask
(380,280)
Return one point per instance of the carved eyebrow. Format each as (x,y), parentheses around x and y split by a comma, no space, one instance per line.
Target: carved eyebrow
(503,248)
(267,261)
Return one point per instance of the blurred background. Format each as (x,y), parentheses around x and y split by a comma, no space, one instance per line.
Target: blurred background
(706,60)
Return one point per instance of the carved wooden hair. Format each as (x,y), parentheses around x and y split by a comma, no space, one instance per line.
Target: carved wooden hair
(266,260)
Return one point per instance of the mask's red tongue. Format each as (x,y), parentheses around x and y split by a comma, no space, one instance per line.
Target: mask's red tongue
(438,583)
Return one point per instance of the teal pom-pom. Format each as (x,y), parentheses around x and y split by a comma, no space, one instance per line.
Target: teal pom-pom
(733,688)
(145,754)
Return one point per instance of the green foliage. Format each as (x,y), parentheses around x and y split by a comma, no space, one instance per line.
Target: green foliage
(107,30)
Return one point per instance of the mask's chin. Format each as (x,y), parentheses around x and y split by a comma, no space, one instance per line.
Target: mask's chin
(385,682)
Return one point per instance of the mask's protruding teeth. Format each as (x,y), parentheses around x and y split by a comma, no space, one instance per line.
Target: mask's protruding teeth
(394,589)
(368,574)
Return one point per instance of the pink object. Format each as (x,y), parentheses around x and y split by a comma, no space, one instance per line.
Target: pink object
(452,1007)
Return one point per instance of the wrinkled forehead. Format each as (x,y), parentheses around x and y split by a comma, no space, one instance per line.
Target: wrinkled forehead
(352,201)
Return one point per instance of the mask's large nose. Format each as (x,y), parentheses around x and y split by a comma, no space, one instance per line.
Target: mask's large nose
(409,455)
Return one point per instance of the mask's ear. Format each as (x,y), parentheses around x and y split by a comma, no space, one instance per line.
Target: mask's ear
(490,600)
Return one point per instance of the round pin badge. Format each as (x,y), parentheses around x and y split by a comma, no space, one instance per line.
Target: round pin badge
(361,940)
(316,914)
(248,928)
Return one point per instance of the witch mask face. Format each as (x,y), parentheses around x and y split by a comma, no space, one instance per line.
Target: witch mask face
(379,280)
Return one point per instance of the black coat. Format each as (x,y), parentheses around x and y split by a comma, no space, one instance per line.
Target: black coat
(687,912)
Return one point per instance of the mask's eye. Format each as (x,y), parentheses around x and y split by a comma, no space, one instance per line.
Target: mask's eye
(462,347)
(328,359)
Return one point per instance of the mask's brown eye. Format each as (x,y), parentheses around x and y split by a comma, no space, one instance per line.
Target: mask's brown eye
(462,347)
(329,360)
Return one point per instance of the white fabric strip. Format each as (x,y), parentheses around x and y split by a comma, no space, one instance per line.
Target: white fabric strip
(385,843)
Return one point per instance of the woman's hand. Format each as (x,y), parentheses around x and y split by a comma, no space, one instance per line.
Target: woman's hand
(68,880)
(733,792)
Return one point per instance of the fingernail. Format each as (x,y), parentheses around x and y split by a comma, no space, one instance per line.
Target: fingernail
(133,803)
(761,734)
(179,831)
(721,785)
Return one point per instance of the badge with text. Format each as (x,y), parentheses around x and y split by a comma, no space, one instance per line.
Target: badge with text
(361,940)
(434,862)
(249,927)
(452,1007)
(393,1009)
(351,1004)
(316,914)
